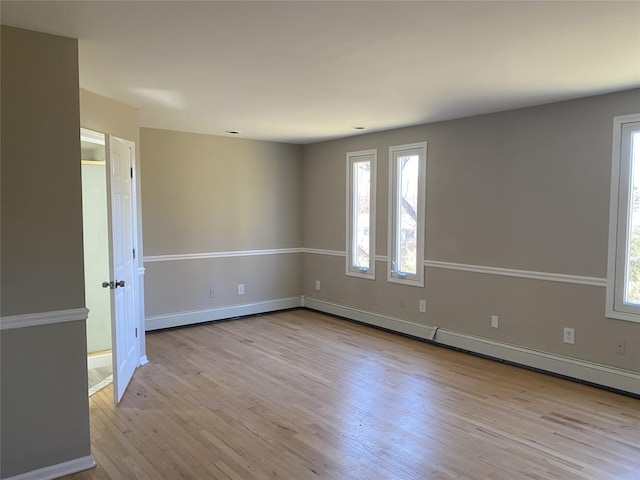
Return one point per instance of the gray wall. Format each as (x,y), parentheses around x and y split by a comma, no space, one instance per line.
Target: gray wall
(526,189)
(44,404)
(41,193)
(208,194)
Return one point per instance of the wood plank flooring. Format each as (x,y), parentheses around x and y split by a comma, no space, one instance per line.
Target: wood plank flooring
(299,395)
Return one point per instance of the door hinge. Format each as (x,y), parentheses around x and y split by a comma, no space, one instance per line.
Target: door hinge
(136,332)
(131,172)
(134,253)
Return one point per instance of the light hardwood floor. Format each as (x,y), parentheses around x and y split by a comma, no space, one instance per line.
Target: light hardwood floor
(299,395)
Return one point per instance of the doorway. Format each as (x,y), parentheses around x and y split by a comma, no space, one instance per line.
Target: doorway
(110,244)
(96,259)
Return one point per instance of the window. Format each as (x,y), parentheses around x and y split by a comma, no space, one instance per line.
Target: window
(361,213)
(407,191)
(623,274)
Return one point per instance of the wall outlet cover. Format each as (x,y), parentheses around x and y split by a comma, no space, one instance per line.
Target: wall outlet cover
(422,306)
(569,335)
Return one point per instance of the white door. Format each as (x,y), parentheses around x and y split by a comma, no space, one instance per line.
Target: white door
(120,159)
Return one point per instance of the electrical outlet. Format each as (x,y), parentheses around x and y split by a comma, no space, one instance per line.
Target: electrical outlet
(241,289)
(494,321)
(620,347)
(212,293)
(317,284)
(422,306)
(569,335)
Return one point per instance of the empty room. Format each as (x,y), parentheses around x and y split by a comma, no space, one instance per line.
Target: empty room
(367,240)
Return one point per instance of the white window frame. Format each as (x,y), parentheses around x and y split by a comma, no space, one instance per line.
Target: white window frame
(621,181)
(395,152)
(353,158)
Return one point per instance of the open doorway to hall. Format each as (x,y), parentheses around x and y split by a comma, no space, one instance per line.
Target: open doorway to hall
(112,283)
(96,259)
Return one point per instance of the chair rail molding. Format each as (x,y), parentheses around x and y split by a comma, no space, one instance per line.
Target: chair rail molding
(43,318)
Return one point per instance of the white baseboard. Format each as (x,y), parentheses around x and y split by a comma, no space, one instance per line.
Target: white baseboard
(616,378)
(199,316)
(101,360)
(58,470)
(143,360)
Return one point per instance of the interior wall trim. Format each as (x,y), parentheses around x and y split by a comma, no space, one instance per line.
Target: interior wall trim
(507,272)
(58,470)
(595,373)
(237,253)
(179,319)
(43,318)
(320,251)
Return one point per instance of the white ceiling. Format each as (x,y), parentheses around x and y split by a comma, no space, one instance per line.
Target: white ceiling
(304,71)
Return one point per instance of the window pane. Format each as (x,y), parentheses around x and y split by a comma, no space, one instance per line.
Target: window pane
(407,218)
(632,267)
(407,185)
(361,213)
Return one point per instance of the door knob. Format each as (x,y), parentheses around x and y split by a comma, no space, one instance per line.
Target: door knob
(107,284)
(120,284)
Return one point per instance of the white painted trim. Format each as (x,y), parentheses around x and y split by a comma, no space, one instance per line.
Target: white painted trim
(238,253)
(58,470)
(508,272)
(551,277)
(319,251)
(393,276)
(199,316)
(91,136)
(369,317)
(620,379)
(141,320)
(353,157)
(98,361)
(337,253)
(43,318)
